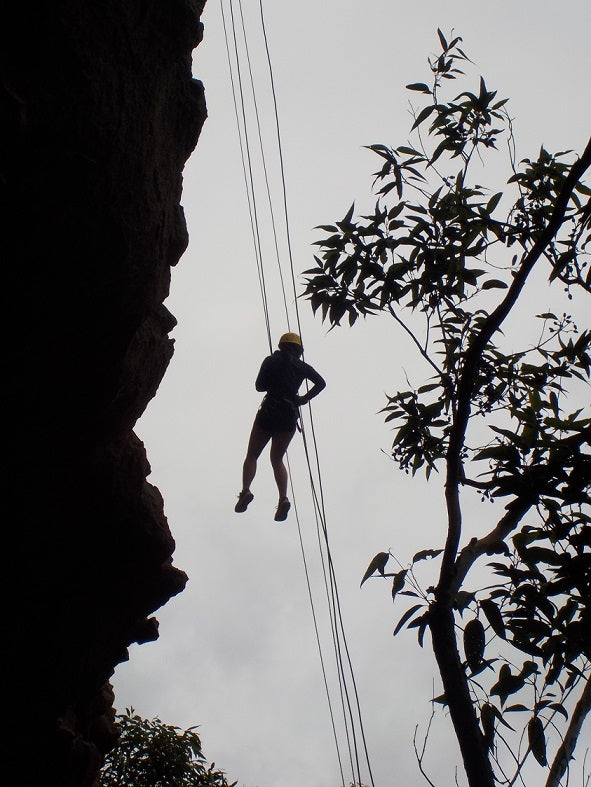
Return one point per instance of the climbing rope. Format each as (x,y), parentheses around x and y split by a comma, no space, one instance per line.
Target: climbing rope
(349,697)
(246,163)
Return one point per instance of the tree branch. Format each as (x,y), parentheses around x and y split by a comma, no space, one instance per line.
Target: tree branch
(565,752)
(474,354)
(419,346)
(441,618)
(515,512)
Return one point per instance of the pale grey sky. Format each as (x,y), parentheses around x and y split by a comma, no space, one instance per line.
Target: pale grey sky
(237,653)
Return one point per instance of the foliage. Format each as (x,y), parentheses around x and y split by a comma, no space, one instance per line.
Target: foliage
(154,754)
(452,262)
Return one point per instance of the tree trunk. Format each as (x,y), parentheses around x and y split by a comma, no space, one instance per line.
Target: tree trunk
(472,746)
(569,742)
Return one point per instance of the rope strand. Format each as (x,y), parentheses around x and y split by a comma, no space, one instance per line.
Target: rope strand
(264,163)
(349,697)
(321,506)
(247,166)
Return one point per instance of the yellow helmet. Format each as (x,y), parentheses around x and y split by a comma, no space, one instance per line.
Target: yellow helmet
(290,338)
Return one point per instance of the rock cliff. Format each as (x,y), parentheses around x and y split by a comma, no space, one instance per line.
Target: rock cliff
(98,116)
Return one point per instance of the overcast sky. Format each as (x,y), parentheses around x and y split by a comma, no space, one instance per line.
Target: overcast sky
(237,652)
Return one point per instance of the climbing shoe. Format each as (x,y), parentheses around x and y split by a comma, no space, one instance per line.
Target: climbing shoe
(282,509)
(244,500)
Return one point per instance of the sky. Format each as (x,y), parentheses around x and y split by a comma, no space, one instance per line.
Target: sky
(237,653)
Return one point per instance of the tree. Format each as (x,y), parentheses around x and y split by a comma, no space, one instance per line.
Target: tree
(154,754)
(452,262)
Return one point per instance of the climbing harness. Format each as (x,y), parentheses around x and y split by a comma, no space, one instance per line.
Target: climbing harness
(238,62)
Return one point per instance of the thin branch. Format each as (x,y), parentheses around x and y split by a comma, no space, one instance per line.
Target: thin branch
(416,341)
(482,486)
(515,512)
(421,756)
(567,747)
(509,780)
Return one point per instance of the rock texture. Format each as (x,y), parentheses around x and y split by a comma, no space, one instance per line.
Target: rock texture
(98,116)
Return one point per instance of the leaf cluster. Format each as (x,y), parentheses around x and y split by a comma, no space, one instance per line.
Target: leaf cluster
(150,753)
(436,252)
(545,592)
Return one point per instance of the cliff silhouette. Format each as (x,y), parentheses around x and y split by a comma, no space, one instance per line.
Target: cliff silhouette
(99,114)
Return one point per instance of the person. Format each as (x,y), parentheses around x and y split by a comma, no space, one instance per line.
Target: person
(280,376)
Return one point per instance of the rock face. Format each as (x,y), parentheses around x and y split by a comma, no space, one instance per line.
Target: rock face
(98,116)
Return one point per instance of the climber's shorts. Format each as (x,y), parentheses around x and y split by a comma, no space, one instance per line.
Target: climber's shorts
(277,415)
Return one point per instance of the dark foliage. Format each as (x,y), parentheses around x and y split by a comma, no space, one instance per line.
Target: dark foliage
(153,754)
(449,260)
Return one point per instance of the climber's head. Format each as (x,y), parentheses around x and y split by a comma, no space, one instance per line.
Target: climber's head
(292,343)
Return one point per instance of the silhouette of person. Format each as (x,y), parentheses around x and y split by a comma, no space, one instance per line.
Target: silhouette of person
(281,375)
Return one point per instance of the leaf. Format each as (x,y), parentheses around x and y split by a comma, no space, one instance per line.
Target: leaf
(427,388)
(423,115)
(537,739)
(423,628)
(442,40)
(409,151)
(474,642)
(499,451)
(529,668)
(527,647)
(349,216)
(463,599)
(421,622)
(407,615)
(398,582)
(494,616)
(505,432)
(425,554)
(487,719)
(507,683)
(421,87)
(493,202)
(378,563)
(494,284)
(558,706)
(444,145)
(500,718)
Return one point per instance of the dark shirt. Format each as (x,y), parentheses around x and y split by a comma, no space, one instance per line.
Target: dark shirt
(281,375)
